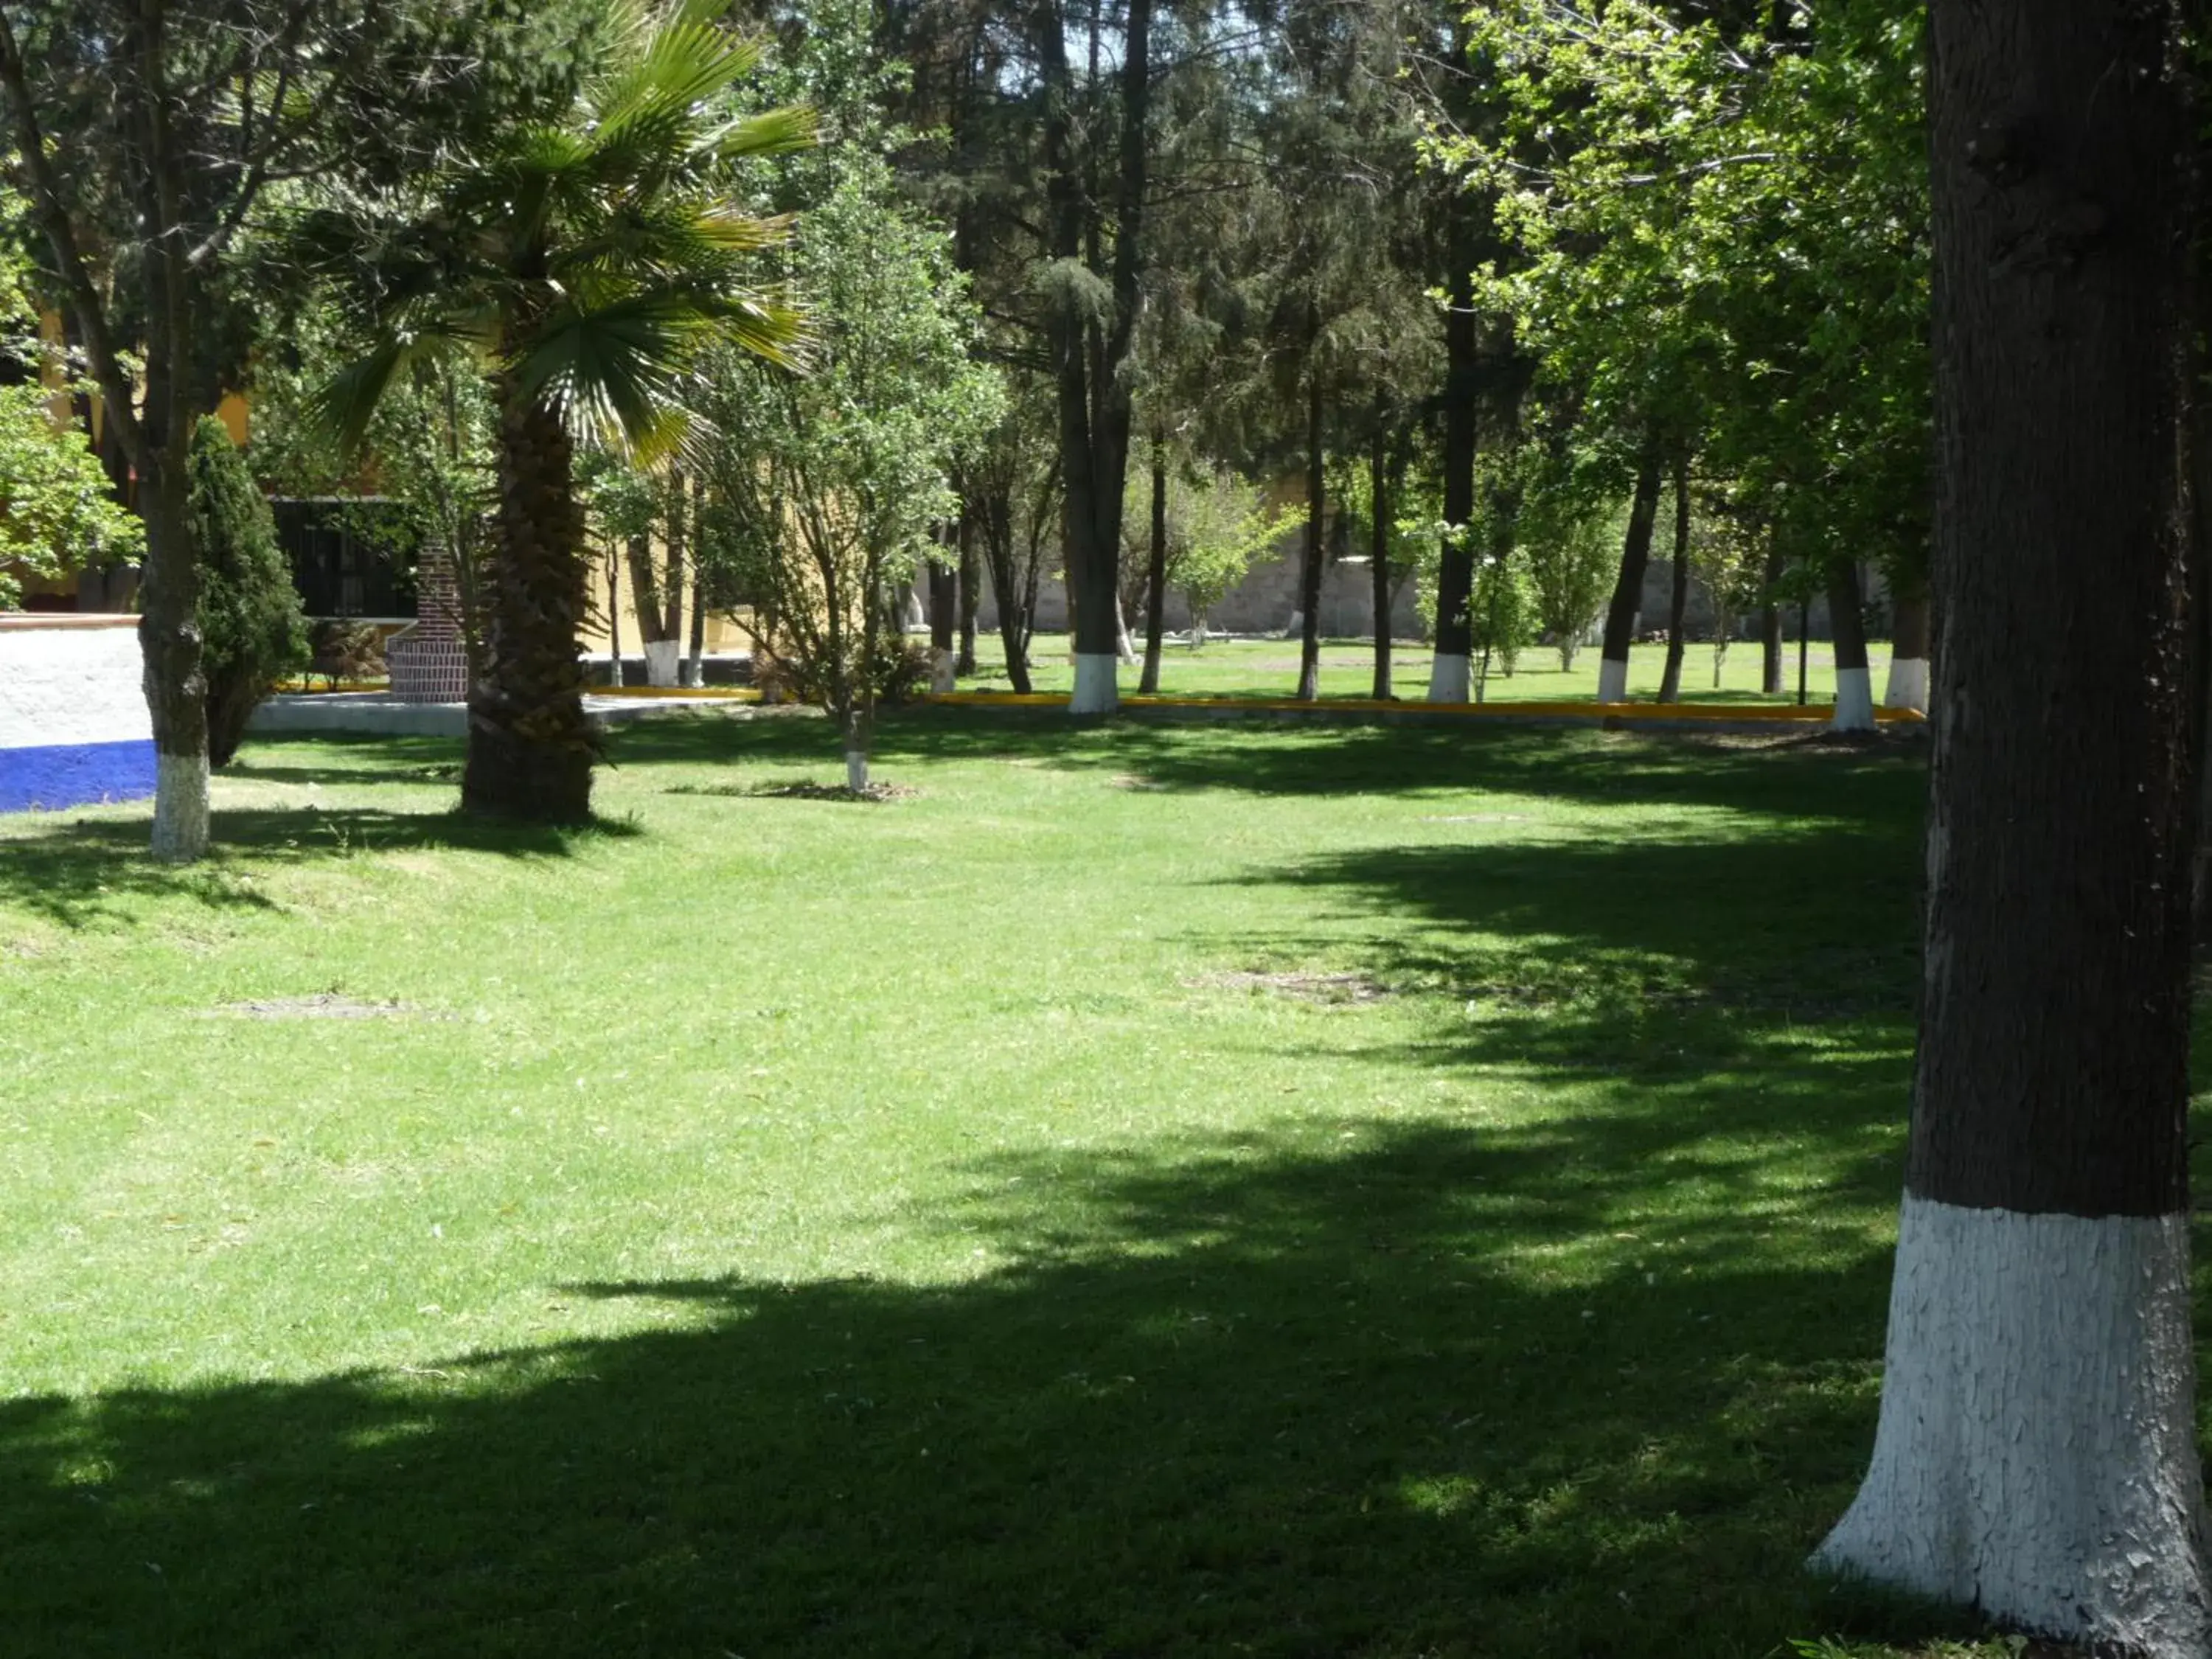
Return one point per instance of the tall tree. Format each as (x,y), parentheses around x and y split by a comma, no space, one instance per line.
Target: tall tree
(583,257)
(144,133)
(2037,1449)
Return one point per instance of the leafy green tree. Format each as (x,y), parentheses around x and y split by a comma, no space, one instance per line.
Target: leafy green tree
(583,258)
(57,509)
(144,135)
(250,618)
(1225,527)
(839,477)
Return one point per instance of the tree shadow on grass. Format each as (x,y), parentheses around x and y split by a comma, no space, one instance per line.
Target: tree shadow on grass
(1782,777)
(1298,1396)
(79,871)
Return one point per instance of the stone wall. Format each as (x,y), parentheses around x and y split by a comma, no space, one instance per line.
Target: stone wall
(74,728)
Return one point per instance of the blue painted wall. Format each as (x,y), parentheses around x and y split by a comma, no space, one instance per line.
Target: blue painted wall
(75,775)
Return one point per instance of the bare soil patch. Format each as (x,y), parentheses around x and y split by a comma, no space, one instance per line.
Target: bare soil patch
(323,1005)
(1305,987)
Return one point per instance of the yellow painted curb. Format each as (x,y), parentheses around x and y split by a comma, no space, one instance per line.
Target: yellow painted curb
(1631,713)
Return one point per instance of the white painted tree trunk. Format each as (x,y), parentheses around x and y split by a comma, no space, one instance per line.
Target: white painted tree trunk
(856,770)
(943,675)
(1612,680)
(1854,701)
(1907,687)
(661,661)
(1097,690)
(180,808)
(1450,679)
(2036,1456)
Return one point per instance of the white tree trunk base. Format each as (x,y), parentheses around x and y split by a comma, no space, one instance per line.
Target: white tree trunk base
(856,771)
(1449,678)
(180,808)
(1612,680)
(2037,1452)
(942,677)
(1097,690)
(661,657)
(1908,684)
(1854,701)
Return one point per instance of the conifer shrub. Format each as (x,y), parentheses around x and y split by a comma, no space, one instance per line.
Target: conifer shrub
(252,628)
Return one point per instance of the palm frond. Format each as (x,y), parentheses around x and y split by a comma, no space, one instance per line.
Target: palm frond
(770,132)
(343,407)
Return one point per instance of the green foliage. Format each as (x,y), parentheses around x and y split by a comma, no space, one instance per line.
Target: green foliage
(58,507)
(1572,540)
(1722,232)
(253,629)
(835,481)
(1225,525)
(583,257)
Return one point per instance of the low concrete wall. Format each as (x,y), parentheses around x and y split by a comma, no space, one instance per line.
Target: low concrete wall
(74,728)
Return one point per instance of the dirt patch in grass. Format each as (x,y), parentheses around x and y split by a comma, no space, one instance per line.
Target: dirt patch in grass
(1305,987)
(1130,781)
(323,1005)
(874,792)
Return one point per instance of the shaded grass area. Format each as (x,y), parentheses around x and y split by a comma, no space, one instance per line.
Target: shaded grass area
(946,1228)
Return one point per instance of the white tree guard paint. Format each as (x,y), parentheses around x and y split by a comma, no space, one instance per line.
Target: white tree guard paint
(941,675)
(1854,701)
(2036,1456)
(1449,680)
(662,657)
(1612,680)
(180,807)
(1907,687)
(856,770)
(1097,691)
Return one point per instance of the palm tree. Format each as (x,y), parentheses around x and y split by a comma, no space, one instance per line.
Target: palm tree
(582,258)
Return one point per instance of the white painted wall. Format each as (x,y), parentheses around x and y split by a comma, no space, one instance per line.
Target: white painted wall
(63,682)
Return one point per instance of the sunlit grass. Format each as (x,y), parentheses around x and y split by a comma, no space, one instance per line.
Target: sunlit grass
(1152,1191)
(1251,667)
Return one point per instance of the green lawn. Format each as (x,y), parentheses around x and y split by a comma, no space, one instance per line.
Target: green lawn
(1269,668)
(1155,1190)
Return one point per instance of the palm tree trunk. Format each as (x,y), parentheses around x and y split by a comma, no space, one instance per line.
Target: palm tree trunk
(531,748)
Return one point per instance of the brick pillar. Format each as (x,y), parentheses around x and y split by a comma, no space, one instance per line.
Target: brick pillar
(429,659)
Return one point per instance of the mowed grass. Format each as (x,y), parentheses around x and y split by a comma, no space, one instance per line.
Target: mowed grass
(1152,1191)
(1269,668)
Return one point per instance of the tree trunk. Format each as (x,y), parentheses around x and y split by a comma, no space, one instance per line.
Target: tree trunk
(1378,492)
(1449,668)
(1014,602)
(614,619)
(659,645)
(1628,590)
(1309,575)
(1908,647)
(859,734)
(1156,570)
(1771,668)
(2036,1450)
(174,680)
(1678,605)
(970,579)
(943,622)
(673,623)
(530,746)
(1089,356)
(1847,621)
(695,666)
